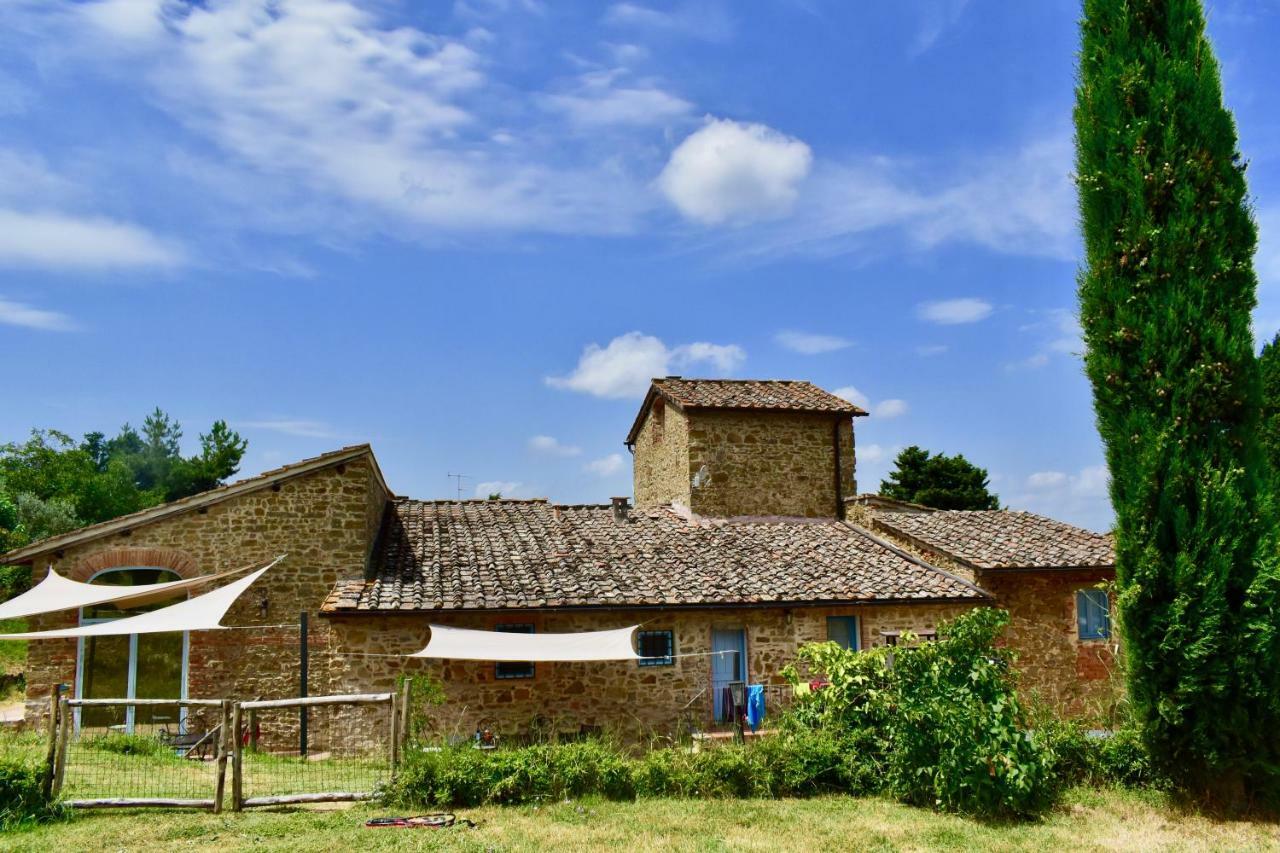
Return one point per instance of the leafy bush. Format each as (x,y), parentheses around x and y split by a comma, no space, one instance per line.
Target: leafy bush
(21,796)
(797,762)
(942,718)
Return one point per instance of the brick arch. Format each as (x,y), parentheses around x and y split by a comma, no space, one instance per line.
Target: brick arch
(115,558)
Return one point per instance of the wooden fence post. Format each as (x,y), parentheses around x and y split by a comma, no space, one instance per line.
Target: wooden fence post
(64,735)
(392,725)
(51,755)
(223,745)
(237,766)
(406,694)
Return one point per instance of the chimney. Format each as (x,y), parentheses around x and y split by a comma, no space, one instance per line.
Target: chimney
(621,509)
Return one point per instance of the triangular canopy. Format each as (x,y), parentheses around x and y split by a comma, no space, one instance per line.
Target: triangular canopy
(202,613)
(469,644)
(56,593)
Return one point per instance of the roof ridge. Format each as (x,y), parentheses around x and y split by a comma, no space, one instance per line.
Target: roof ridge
(217,493)
(912,558)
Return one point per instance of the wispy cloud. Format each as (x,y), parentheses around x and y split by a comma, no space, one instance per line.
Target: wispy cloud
(1065,494)
(505,488)
(58,241)
(606,466)
(890,408)
(952,312)
(623,367)
(1059,334)
(20,314)
(809,343)
(297,427)
(705,20)
(551,446)
(604,98)
(936,17)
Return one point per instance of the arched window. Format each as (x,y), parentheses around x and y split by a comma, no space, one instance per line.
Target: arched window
(137,666)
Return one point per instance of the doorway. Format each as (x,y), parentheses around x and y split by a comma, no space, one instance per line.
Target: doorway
(728,663)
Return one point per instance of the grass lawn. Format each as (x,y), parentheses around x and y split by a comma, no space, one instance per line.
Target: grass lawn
(1088,820)
(13,659)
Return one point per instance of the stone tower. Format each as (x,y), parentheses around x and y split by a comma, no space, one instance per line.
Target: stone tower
(744,447)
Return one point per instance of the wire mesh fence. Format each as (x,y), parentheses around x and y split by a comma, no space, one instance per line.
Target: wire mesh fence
(112,751)
(136,752)
(331,747)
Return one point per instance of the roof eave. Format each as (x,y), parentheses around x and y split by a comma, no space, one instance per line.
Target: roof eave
(28,553)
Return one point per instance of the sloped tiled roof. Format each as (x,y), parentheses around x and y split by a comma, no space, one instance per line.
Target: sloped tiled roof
(202,499)
(771,395)
(1002,539)
(450,555)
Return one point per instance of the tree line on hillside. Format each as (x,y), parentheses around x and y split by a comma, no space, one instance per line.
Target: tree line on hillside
(50,483)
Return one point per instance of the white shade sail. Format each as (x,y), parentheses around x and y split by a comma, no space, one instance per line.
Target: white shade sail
(202,613)
(469,644)
(56,593)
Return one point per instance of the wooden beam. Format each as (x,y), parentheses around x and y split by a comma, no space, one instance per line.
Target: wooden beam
(220,785)
(51,754)
(135,802)
(86,703)
(285,799)
(237,757)
(347,699)
(65,724)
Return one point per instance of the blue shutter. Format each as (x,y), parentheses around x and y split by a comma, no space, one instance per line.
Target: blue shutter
(1093,614)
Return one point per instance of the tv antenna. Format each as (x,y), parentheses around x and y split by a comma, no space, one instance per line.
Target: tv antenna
(459,478)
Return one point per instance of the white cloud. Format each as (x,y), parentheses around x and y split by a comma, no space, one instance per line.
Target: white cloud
(1018,202)
(853,395)
(809,343)
(1079,498)
(623,367)
(1046,479)
(950,312)
(506,488)
(931,350)
(298,427)
(551,446)
(733,172)
(936,17)
(20,314)
(130,20)
(705,20)
(59,241)
(597,100)
(870,453)
(1060,334)
(890,408)
(607,466)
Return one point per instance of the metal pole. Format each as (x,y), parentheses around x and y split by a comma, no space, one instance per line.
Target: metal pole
(302,684)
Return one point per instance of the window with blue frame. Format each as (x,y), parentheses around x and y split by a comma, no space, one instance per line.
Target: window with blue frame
(1093,614)
(656,648)
(513,670)
(843,630)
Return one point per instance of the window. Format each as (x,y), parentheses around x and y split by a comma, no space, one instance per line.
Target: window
(513,670)
(893,638)
(843,630)
(1093,614)
(656,648)
(137,666)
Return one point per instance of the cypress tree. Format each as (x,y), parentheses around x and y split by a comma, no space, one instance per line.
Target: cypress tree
(1165,303)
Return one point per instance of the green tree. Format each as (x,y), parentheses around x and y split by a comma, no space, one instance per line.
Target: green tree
(939,481)
(1269,368)
(1165,303)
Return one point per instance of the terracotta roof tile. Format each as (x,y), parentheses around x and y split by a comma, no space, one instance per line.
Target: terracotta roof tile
(772,394)
(450,555)
(1002,539)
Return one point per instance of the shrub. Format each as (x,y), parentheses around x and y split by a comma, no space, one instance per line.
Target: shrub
(943,719)
(21,796)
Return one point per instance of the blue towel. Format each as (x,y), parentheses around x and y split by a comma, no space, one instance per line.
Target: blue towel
(755,705)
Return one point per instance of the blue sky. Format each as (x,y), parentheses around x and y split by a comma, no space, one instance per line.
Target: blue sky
(467,232)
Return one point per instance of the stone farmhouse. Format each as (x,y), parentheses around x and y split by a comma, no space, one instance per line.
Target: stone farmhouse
(747,534)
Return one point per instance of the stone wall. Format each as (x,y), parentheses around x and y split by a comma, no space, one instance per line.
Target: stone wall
(660,467)
(1071,675)
(323,520)
(619,696)
(768,463)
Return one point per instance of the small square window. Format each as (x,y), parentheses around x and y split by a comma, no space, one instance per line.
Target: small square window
(513,670)
(843,631)
(1093,614)
(656,648)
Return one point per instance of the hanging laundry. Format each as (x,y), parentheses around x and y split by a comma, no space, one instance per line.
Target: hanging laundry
(755,706)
